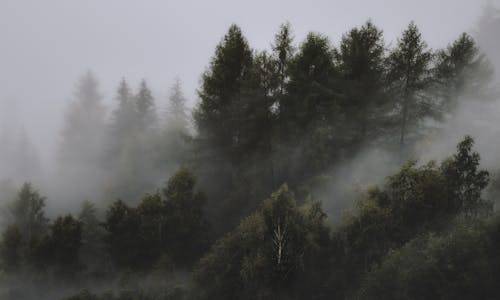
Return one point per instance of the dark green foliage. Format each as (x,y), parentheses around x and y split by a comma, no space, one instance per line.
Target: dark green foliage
(283,52)
(122,224)
(462,72)
(172,227)
(310,97)
(234,124)
(93,250)
(361,62)
(414,201)
(462,264)
(267,254)
(409,77)
(10,251)
(221,91)
(466,181)
(63,245)
(27,213)
(308,112)
(188,230)
(170,294)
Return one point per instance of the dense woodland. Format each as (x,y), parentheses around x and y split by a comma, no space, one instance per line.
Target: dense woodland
(220,203)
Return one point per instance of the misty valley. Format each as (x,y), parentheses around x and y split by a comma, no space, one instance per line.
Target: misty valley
(320,168)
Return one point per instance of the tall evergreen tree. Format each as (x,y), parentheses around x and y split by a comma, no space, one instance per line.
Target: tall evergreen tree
(409,73)
(84,124)
(175,136)
(133,142)
(308,114)
(220,94)
(283,52)
(177,114)
(361,62)
(221,120)
(462,71)
(125,113)
(311,97)
(146,110)
(82,145)
(28,214)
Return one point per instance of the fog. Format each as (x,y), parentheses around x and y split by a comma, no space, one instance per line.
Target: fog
(57,56)
(47,45)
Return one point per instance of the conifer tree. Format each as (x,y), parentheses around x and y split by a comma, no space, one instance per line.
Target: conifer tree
(84,124)
(220,94)
(28,214)
(146,110)
(462,71)
(361,63)
(177,116)
(82,146)
(283,52)
(409,73)
(175,136)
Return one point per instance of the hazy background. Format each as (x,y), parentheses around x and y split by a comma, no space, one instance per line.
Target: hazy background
(47,45)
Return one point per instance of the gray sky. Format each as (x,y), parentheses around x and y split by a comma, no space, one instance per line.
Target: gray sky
(45,45)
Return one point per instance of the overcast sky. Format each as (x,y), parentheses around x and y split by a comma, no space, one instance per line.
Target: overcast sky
(45,45)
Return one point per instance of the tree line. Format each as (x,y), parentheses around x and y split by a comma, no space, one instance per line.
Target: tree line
(238,215)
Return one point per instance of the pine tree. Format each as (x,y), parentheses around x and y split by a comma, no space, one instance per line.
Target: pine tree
(146,110)
(11,249)
(27,213)
(361,63)
(122,125)
(220,94)
(82,146)
(311,98)
(462,71)
(184,205)
(84,124)
(125,114)
(283,52)
(92,252)
(175,140)
(308,113)
(177,116)
(64,244)
(409,74)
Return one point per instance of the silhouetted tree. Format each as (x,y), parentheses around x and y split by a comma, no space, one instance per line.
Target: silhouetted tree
(361,62)
(462,71)
(188,231)
(27,213)
(409,75)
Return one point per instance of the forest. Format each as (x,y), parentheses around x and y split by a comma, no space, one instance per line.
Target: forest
(300,173)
